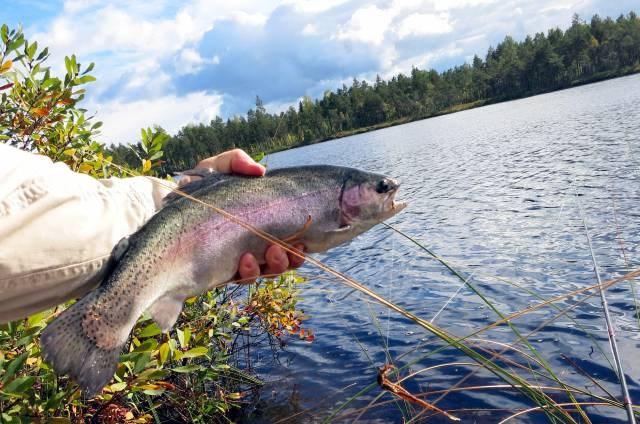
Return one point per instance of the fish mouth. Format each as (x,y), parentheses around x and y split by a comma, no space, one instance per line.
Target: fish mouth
(391,205)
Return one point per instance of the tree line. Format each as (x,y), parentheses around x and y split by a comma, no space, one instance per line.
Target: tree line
(585,52)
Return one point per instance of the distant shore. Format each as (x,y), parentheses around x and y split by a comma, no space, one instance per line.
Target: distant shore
(602,76)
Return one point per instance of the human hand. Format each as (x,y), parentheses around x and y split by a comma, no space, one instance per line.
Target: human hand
(237,161)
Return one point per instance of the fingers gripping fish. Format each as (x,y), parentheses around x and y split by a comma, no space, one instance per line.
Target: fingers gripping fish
(187,248)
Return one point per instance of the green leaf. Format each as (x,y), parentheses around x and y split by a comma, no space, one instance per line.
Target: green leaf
(188,368)
(43,53)
(85,79)
(19,385)
(153,392)
(31,49)
(89,68)
(141,362)
(67,65)
(36,319)
(150,331)
(54,401)
(156,155)
(4,33)
(14,366)
(183,337)
(152,374)
(118,387)
(16,43)
(196,352)
(143,138)
(147,346)
(9,419)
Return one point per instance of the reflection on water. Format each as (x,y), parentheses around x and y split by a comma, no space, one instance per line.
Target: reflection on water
(493,191)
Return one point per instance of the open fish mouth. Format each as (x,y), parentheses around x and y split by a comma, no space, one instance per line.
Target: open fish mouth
(391,205)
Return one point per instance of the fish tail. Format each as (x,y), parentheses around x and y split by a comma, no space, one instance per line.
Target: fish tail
(68,347)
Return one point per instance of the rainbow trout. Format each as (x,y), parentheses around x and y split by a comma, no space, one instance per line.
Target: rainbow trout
(188,248)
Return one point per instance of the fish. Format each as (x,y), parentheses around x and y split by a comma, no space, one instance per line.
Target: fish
(188,248)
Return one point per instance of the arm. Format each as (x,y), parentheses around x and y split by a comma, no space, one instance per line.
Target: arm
(58,227)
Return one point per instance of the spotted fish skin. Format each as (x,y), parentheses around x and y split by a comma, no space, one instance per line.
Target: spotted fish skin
(188,248)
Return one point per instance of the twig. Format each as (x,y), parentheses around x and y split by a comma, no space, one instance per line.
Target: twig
(403,393)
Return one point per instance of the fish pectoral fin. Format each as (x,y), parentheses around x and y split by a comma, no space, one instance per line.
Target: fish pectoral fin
(343,229)
(165,311)
(329,239)
(298,235)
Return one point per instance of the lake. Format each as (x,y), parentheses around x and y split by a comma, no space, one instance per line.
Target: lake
(498,193)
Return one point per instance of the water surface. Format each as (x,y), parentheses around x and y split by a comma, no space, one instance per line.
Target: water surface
(496,191)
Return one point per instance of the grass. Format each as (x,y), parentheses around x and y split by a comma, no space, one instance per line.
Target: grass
(493,362)
(525,376)
(554,412)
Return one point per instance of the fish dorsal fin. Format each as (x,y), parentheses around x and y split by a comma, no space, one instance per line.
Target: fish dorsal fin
(120,249)
(165,311)
(116,254)
(207,180)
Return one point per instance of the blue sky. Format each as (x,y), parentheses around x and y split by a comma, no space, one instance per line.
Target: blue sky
(173,62)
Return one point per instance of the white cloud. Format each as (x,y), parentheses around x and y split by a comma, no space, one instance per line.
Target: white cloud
(73,6)
(422,61)
(190,62)
(444,5)
(367,25)
(421,24)
(314,6)
(123,120)
(309,29)
(154,58)
(249,19)
(406,4)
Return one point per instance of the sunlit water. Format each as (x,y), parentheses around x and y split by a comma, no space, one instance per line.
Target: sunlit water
(493,191)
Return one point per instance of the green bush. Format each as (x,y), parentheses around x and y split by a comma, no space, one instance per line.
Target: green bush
(185,375)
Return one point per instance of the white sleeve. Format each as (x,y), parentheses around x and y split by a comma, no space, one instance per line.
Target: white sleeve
(58,227)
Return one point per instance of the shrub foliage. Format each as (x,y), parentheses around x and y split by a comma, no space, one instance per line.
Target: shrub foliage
(185,375)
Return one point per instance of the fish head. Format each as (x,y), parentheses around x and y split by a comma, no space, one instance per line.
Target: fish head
(368,199)
(364,200)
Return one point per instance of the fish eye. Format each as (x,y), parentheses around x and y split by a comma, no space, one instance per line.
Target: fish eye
(383,186)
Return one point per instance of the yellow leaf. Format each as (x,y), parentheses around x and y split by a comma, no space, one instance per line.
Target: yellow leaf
(85,167)
(69,152)
(164,352)
(146,165)
(6,66)
(118,387)
(40,111)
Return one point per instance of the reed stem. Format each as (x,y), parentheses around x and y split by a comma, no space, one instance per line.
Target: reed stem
(626,398)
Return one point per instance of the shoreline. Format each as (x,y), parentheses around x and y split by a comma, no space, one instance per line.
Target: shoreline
(603,76)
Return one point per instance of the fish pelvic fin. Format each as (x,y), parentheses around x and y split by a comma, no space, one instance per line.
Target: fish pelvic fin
(70,350)
(165,311)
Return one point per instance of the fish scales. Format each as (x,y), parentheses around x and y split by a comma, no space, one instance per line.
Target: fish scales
(188,248)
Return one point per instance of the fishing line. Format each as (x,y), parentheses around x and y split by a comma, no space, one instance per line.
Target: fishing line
(613,344)
(446,336)
(463,285)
